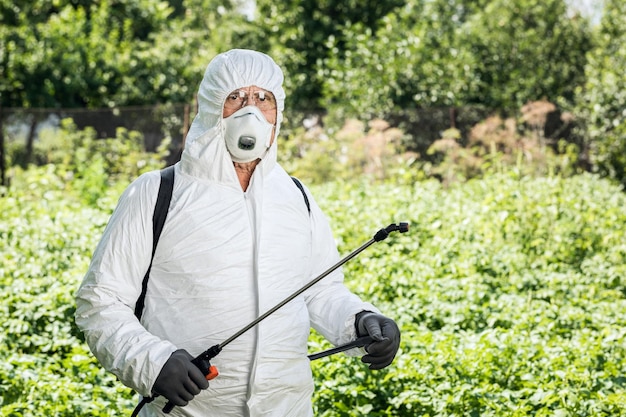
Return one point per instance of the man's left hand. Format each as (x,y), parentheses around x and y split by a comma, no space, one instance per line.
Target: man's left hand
(386,335)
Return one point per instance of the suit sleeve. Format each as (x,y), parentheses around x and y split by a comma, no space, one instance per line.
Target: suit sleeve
(106,298)
(332,306)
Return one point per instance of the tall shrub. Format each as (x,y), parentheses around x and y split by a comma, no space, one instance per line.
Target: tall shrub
(601,102)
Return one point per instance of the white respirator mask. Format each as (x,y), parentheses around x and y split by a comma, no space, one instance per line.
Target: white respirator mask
(248,134)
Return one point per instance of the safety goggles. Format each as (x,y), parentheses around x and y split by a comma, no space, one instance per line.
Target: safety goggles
(237,99)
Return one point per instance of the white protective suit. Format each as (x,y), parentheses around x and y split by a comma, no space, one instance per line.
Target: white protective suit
(225,256)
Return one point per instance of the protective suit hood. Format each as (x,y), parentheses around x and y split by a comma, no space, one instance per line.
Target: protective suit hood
(205,154)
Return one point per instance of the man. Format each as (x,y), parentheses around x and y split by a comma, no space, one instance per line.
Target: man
(238,239)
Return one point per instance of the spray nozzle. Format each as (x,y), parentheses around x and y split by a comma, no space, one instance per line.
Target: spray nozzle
(393,227)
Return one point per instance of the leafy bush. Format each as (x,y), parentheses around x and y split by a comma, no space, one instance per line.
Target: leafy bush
(47,236)
(498,145)
(601,102)
(532,144)
(320,154)
(509,291)
(90,166)
(442,53)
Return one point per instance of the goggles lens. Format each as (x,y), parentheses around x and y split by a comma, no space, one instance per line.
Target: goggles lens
(264,100)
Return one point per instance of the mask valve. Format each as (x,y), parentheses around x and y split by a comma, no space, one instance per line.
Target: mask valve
(246,142)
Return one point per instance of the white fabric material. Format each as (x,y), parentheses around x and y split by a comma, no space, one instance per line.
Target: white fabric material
(224,257)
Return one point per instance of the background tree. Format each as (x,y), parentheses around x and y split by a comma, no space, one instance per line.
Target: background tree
(523,51)
(75,54)
(601,106)
(303,34)
(107,53)
(495,53)
(347,58)
(409,59)
(362,58)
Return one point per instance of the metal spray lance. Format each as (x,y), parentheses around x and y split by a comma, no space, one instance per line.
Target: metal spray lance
(203,360)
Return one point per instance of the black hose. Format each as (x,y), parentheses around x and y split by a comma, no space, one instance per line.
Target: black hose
(143,402)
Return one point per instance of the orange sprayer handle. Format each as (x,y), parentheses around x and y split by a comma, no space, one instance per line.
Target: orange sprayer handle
(212,373)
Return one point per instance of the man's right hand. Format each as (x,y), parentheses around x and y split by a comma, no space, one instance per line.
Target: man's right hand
(180,380)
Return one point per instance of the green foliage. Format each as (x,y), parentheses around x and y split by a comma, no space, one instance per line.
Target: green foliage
(602,100)
(46,239)
(320,155)
(507,39)
(361,60)
(359,57)
(509,291)
(510,295)
(77,55)
(434,53)
(106,54)
(365,76)
(89,166)
(298,35)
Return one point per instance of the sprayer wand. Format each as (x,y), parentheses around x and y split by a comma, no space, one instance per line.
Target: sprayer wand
(203,360)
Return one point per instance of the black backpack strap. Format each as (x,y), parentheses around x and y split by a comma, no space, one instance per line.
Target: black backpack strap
(158,220)
(306,199)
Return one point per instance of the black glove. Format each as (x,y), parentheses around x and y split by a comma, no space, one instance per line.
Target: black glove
(180,380)
(386,335)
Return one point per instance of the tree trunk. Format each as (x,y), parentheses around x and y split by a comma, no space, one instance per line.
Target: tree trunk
(30,140)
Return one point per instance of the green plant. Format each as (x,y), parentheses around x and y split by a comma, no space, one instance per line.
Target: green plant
(509,291)
(46,238)
(602,99)
(505,145)
(320,155)
(90,166)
